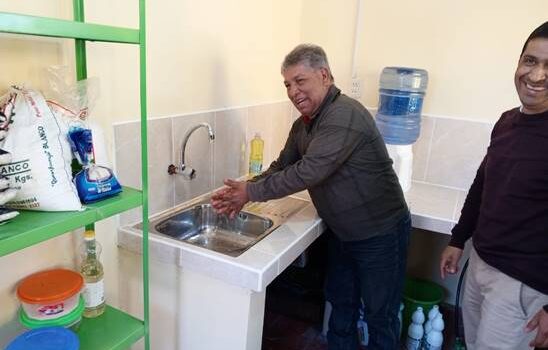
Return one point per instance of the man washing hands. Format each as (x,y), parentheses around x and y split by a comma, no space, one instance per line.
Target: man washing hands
(335,151)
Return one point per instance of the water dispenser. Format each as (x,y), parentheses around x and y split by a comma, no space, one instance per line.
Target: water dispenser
(398,118)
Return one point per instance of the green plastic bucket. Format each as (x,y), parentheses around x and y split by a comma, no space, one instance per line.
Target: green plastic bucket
(417,292)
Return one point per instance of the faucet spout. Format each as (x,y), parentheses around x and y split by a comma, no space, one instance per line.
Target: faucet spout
(183,169)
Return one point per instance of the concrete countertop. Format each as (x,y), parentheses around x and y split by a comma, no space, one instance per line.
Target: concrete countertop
(433,208)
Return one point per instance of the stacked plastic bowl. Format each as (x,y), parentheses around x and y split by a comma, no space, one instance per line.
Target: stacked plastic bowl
(51,298)
(46,338)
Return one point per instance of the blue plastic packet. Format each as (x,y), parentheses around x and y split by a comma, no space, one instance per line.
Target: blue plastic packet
(96,182)
(93,182)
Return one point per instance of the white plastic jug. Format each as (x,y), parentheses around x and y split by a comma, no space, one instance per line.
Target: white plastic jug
(415,330)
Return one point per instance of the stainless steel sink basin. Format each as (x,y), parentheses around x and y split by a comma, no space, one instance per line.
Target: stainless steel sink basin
(200,225)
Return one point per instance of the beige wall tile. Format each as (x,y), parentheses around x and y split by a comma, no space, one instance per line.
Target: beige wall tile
(421,148)
(259,119)
(160,147)
(271,117)
(127,137)
(458,206)
(230,144)
(458,146)
(199,155)
(128,163)
(281,124)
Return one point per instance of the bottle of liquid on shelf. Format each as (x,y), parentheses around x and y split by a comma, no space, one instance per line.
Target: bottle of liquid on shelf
(256,155)
(415,330)
(92,271)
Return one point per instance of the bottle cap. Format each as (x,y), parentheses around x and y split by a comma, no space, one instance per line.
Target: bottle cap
(434,311)
(89,234)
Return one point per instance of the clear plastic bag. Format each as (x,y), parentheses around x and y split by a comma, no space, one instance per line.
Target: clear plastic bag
(74,102)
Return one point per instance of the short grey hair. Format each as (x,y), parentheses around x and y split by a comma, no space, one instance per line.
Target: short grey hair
(312,55)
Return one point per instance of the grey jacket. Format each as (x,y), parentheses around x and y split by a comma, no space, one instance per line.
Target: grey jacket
(342,160)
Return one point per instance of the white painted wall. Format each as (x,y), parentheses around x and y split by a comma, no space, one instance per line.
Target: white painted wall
(23,58)
(470,48)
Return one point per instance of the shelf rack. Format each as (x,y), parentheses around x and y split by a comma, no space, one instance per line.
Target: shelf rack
(32,227)
(114,329)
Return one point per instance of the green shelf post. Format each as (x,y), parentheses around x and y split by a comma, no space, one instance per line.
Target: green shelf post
(144,162)
(80,54)
(79,44)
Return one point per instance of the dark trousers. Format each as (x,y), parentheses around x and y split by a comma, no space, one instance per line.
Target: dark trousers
(371,270)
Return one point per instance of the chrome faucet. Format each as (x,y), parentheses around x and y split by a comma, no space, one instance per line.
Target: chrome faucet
(183,169)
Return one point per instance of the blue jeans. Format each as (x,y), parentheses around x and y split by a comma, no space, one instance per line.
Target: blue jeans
(372,270)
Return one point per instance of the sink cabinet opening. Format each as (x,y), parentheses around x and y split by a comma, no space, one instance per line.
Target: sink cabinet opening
(295,301)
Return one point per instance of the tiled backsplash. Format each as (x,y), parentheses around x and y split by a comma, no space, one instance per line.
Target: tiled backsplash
(226,157)
(447,152)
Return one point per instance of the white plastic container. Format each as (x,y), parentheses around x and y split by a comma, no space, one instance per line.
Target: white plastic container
(401,94)
(400,318)
(50,294)
(71,320)
(415,331)
(432,314)
(434,339)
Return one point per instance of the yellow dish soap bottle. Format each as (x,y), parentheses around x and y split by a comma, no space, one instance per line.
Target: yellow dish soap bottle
(92,271)
(256,155)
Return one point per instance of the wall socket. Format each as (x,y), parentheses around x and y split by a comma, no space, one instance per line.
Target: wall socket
(356,88)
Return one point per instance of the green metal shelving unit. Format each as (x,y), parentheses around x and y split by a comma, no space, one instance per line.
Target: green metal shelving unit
(114,329)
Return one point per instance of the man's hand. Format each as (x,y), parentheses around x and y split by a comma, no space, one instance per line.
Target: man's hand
(449,261)
(540,321)
(231,199)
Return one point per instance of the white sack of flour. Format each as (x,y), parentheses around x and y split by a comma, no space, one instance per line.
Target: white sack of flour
(40,168)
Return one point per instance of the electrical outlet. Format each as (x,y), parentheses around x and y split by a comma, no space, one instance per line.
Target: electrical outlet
(356,88)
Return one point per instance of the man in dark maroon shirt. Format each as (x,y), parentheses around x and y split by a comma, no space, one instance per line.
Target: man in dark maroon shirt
(505,302)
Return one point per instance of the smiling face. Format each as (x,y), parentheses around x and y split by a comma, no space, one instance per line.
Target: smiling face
(306,86)
(531,77)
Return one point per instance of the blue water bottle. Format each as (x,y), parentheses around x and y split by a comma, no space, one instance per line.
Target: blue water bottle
(401,94)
